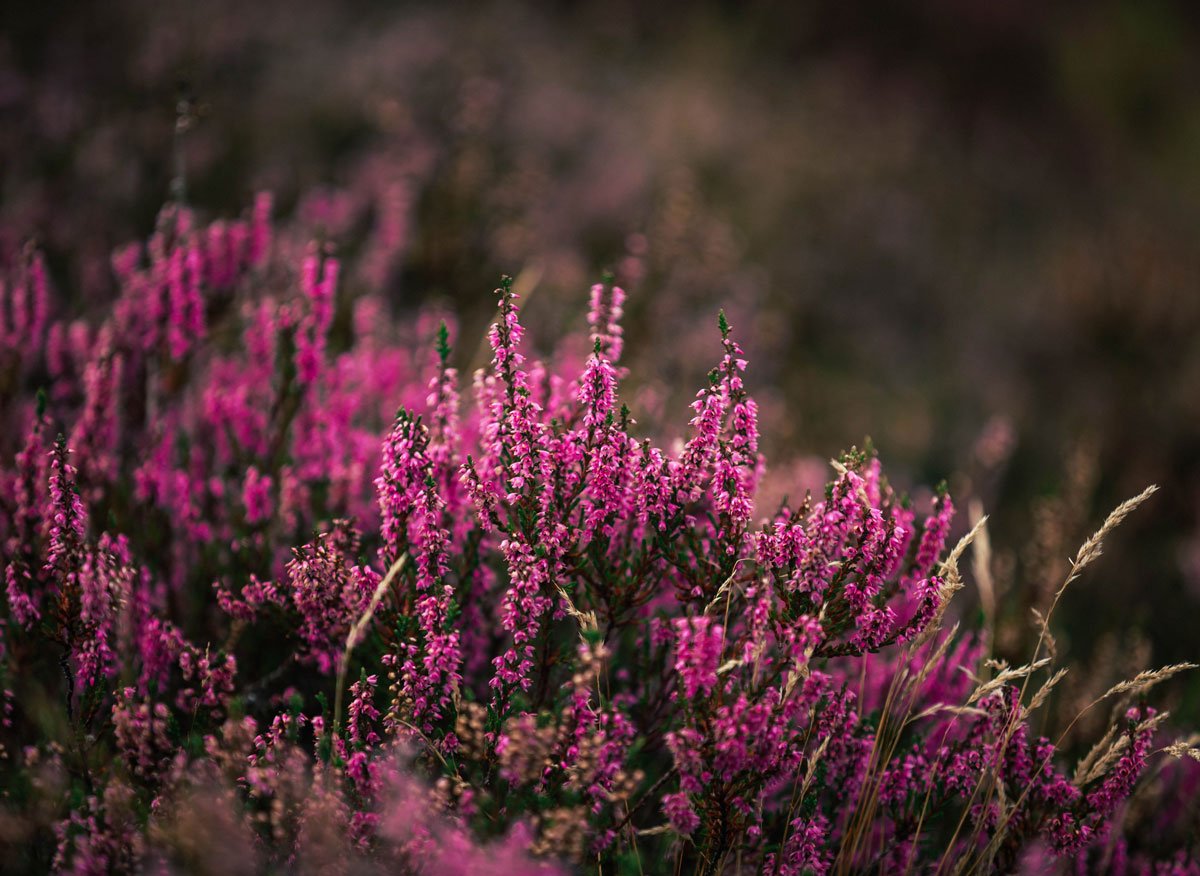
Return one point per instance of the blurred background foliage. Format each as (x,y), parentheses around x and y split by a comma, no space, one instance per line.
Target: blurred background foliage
(965,229)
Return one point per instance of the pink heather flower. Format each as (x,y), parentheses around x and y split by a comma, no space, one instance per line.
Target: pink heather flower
(362,712)
(597,391)
(710,407)
(933,538)
(680,814)
(607,306)
(432,683)
(97,431)
(320,293)
(328,594)
(24,307)
(220,255)
(698,654)
(256,495)
(26,491)
(928,595)
(141,730)
(521,613)
(804,850)
(185,316)
(445,440)
(20,602)
(69,519)
(261,231)
(401,482)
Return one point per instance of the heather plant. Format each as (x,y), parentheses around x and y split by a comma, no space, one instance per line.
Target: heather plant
(283,594)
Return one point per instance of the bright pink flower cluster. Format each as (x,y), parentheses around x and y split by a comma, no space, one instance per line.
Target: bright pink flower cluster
(278,569)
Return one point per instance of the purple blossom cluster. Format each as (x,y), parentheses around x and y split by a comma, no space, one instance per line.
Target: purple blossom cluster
(273,575)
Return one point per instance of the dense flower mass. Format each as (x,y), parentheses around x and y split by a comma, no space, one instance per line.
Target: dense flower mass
(272,575)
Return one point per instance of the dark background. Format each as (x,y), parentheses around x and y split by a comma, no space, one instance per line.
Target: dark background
(965,229)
